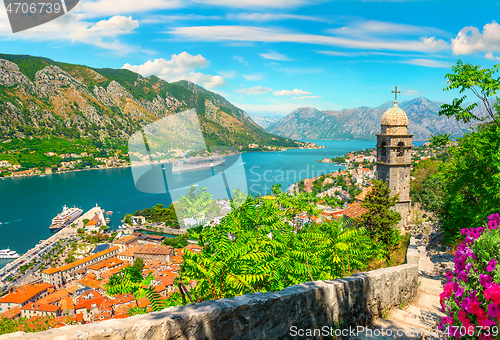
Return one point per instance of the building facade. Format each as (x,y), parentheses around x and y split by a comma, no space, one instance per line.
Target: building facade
(394,146)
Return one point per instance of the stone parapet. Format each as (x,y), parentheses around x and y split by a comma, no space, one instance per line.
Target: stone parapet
(352,301)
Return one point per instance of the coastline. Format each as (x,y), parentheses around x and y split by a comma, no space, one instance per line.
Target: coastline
(163,162)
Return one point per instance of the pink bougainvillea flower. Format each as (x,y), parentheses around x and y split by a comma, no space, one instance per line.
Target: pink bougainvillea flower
(485,280)
(493,310)
(494,221)
(491,265)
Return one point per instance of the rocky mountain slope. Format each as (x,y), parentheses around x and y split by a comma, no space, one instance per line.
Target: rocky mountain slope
(264,120)
(42,98)
(364,122)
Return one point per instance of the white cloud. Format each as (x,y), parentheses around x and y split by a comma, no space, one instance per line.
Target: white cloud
(274,56)
(366,53)
(227,74)
(428,63)
(255,90)
(251,33)
(271,17)
(240,59)
(111,28)
(162,19)
(72,27)
(490,56)
(410,93)
(103,8)
(256,3)
(293,92)
(306,97)
(374,27)
(252,77)
(180,66)
(471,40)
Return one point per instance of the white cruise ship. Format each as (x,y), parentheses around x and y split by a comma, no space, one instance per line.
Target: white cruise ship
(67,216)
(196,163)
(8,254)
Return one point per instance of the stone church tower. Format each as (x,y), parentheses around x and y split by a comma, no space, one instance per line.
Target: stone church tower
(394,146)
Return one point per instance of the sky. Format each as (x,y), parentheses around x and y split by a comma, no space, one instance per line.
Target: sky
(273,56)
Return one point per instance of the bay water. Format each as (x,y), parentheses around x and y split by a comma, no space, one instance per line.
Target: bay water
(27,205)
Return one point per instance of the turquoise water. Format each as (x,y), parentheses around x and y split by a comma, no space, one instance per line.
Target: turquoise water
(27,205)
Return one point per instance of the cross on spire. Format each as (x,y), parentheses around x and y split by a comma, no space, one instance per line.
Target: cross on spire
(396,94)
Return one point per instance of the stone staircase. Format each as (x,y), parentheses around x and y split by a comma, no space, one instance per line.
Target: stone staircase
(419,318)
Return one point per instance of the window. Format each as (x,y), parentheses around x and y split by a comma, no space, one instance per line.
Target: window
(383,151)
(401,151)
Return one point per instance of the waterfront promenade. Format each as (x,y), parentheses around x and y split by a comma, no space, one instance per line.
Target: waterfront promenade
(44,246)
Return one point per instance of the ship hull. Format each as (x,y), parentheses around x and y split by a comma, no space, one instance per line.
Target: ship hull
(196,167)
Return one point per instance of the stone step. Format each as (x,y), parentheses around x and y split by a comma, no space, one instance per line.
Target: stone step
(406,331)
(418,318)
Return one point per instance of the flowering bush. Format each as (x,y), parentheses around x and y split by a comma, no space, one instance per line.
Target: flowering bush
(471,297)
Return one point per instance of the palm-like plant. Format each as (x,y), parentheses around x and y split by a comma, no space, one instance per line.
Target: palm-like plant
(130,281)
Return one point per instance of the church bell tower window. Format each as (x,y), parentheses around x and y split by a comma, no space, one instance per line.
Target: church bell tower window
(401,151)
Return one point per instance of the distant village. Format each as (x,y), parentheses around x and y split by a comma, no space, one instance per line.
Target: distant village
(72,162)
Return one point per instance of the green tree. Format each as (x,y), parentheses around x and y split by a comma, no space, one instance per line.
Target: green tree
(128,219)
(130,281)
(481,82)
(139,264)
(379,219)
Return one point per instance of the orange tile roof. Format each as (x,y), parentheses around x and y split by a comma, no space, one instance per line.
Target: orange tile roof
(87,304)
(12,313)
(89,282)
(126,239)
(109,263)
(54,297)
(177,259)
(24,293)
(67,303)
(91,222)
(92,295)
(65,320)
(153,249)
(362,196)
(42,307)
(82,261)
(50,271)
(354,210)
(128,252)
(193,247)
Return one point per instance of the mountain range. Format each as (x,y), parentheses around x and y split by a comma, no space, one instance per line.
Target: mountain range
(364,122)
(42,98)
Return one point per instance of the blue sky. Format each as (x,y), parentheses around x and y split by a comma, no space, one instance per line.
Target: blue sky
(276,55)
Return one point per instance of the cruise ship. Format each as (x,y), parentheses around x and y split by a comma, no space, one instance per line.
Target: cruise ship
(63,219)
(196,163)
(8,254)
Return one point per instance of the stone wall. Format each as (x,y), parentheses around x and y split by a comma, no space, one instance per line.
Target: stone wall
(351,301)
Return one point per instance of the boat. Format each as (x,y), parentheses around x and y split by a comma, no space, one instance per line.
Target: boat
(8,254)
(67,216)
(196,163)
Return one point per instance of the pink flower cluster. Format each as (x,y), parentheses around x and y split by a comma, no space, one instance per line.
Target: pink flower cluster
(470,298)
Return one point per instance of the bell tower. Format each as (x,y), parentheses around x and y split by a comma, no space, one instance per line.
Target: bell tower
(394,146)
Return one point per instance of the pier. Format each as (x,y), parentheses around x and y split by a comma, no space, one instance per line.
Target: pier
(66,233)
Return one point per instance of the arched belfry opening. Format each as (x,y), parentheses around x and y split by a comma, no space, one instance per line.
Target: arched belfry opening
(394,141)
(401,150)
(383,150)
